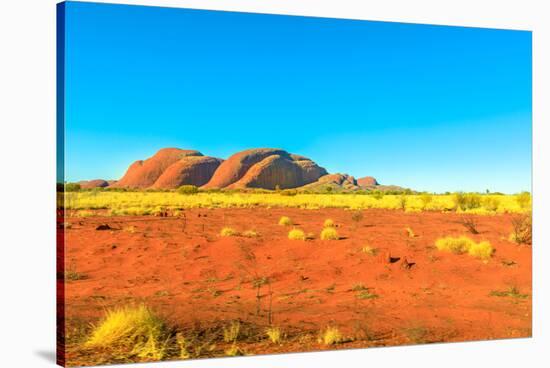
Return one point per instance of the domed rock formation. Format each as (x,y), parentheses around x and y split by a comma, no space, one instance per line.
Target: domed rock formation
(143,174)
(367,181)
(189,170)
(96,183)
(266,168)
(337,182)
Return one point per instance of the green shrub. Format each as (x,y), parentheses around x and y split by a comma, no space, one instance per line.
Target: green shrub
(188,189)
(72,187)
(467,201)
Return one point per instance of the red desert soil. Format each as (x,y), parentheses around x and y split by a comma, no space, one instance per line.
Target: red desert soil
(187,273)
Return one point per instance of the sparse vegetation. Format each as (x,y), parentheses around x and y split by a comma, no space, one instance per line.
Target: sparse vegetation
(296,234)
(512,292)
(231,332)
(329,223)
(463,244)
(142,203)
(329,233)
(470,224)
(522,229)
(369,250)
(467,201)
(274,334)
(251,234)
(410,232)
(285,221)
(130,331)
(228,231)
(331,336)
(524,200)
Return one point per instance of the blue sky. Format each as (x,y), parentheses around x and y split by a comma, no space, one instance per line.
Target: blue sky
(427,107)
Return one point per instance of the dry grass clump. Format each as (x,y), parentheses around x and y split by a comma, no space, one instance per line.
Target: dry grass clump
(274,334)
(285,221)
(251,234)
(227,231)
(329,223)
(410,232)
(331,336)
(231,332)
(130,331)
(369,250)
(329,233)
(296,234)
(466,201)
(522,232)
(463,244)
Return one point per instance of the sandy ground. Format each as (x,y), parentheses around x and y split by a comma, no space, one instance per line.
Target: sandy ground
(192,276)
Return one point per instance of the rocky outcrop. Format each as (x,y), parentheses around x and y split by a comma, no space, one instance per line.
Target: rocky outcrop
(367,182)
(96,183)
(144,174)
(266,168)
(190,170)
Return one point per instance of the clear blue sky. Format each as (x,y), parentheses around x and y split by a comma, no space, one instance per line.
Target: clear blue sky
(427,107)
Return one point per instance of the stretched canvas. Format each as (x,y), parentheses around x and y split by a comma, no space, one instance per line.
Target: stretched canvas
(235,184)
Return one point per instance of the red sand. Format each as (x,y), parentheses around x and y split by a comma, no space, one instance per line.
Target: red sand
(187,273)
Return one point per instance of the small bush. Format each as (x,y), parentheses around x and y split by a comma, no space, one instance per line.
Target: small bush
(227,231)
(285,221)
(522,232)
(426,199)
(130,331)
(466,201)
(524,200)
(402,202)
(482,250)
(463,244)
(329,223)
(410,232)
(72,187)
(329,233)
(188,189)
(470,224)
(454,245)
(274,334)
(296,234)
(289,192)
(491,203)
(331,336)
(377,194)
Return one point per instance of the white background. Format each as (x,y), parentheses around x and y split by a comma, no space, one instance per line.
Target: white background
(27,176)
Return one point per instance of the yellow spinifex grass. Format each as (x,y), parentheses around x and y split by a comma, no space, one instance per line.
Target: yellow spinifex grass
(144,202)
(331,336)
(296,234)
(285,221)
(463,244)
(329,233)
(130,331)
(228,231)
(274,334)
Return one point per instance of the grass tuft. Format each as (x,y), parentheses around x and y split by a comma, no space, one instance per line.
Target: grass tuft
(296,234)
(329,233)
(463,244)
(285,221)
(331,336)
(130,331)
(274,334)
(231,332)
(227,231)
(251,234)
